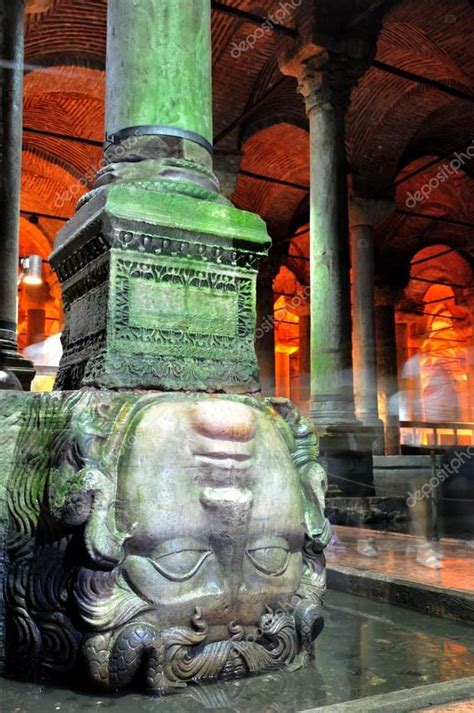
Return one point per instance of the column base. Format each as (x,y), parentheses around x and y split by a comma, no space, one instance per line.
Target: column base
(159,291)
(333,413)
(376,425)
(11,359)
(346,456)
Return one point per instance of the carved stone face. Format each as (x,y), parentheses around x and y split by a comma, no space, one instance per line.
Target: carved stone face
(174,537)
(212,497)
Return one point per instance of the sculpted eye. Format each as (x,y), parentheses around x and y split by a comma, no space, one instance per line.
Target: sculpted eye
(272,560)
(179,566)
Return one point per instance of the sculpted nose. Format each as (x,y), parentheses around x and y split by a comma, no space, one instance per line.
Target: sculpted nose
(225,420)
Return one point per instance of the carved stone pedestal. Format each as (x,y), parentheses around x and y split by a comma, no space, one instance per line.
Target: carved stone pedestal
(158,539)
(159,290)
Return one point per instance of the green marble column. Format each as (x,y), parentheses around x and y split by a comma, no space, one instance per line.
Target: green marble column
(159,91)
(158,268)
(168,81)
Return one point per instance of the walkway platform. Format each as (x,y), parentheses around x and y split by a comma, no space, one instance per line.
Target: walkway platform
(386,566)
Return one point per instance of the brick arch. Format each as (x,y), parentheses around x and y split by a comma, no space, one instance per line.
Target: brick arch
(448,131)
(70,27)
(70,99)
(47,187)
(66,100)
(448,267)
(33,240)
(280,151)
(390,118)
(399,237)
(282,106)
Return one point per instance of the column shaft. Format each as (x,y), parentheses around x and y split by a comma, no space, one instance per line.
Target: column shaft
(365,370)
(332,391)
(387,376)
(305,359)
(265,331)
(12,108)
(168,81)
(364,213)
(12,114)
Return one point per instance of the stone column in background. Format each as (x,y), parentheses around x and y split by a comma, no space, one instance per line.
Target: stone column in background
(469,298)
(226,168)
(387,368)
(405,402)
(326,89)
(305,357)
(36,325)
(12,117)
(364,213)
(325,80)
(265,331)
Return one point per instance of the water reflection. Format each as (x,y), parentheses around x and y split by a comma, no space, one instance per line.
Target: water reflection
(367,648)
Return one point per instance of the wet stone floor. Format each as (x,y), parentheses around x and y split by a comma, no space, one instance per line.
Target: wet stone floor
(367,648)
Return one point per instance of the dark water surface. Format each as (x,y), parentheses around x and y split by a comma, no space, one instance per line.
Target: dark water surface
(366,649)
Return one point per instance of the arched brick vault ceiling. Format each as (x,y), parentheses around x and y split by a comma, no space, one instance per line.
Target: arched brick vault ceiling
(282,105)
(449,130)
(71,28)
(67,100)
(399,237)
(283,150)
(43,184)
(236,77)
(390,118)
(451,265)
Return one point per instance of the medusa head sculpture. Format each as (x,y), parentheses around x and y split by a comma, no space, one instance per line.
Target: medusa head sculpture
(162,538)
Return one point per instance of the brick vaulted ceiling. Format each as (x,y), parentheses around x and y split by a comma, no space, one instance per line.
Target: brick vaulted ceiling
(395,126)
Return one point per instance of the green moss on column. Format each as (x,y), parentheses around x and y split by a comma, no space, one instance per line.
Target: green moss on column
(168,81)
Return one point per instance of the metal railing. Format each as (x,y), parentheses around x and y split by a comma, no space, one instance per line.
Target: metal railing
(427,433)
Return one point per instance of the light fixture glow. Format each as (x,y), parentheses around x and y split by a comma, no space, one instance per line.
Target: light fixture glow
(32,270)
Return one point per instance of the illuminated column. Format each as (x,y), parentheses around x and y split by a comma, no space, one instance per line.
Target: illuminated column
(469,297)
(363,214)
(12,114)
(413,371)
(325,80)
(406,395)
(265,329)
(387,369)
(305,356)
(36,325)
(326,89)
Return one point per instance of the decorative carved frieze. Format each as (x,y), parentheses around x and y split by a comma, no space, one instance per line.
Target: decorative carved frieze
(161,299)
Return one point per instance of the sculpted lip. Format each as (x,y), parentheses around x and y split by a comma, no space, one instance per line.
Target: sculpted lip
(225,459)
